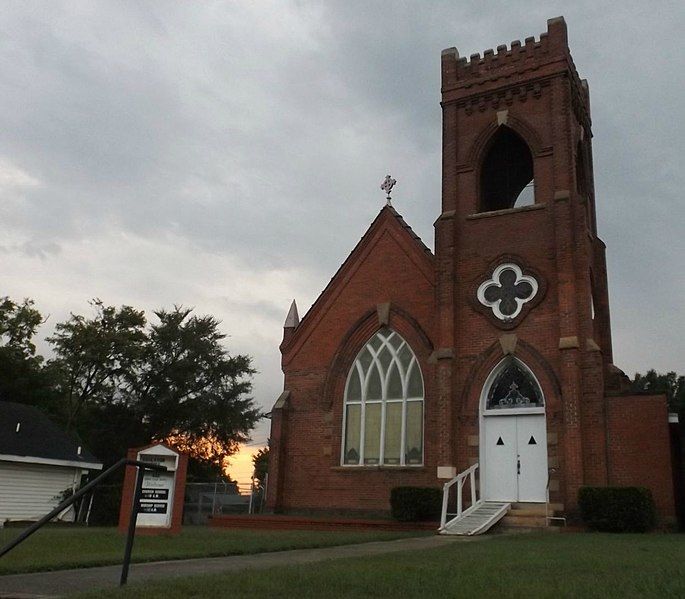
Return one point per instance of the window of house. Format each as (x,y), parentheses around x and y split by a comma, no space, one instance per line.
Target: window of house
(383,417)
(506,178)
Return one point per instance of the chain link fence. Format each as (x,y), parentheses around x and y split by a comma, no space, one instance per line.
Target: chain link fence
(202,500)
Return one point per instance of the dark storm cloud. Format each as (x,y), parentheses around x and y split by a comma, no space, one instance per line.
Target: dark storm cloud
(228,155)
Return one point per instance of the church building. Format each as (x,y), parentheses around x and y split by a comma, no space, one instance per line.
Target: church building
(492,355)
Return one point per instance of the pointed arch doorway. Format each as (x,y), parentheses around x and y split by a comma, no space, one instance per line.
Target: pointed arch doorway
(513,435)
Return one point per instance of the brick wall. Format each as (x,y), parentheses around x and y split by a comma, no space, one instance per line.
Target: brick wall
(534,89)
(389,266)
(639,447)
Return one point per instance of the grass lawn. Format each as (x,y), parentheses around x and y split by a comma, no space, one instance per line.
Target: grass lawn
(61,548)
(530,566)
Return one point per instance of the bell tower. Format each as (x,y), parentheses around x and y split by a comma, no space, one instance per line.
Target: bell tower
(520,269)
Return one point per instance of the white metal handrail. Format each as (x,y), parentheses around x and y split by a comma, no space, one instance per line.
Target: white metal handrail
(459,480)
(547,516)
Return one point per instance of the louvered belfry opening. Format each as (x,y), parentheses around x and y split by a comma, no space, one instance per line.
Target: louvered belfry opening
(506,179)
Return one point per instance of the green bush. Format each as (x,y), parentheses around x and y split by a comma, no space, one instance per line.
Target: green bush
(105,507)
(416,504)
(617,509)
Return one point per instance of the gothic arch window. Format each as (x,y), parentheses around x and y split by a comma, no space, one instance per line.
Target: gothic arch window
(512,386)
(383,416)
(506,177)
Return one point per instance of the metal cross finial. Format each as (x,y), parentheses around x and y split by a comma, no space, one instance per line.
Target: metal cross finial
(387,186)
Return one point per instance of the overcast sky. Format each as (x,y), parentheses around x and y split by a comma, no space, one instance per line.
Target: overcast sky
(228,155)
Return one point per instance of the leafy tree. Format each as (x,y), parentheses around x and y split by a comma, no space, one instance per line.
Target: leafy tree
(261,465)
(124,383)
(23,376)
(18,325)
(96,358)
(109,430)
(190,386)
(672,385)
(208,460)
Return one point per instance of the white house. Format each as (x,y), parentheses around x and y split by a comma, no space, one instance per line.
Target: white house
(38,463)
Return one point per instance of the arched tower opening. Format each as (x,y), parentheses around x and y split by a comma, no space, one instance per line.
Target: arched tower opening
(506,178)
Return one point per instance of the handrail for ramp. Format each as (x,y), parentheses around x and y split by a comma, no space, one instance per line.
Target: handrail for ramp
(141,466)
(459,480)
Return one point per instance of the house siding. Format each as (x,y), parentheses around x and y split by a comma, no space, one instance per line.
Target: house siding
(29,491)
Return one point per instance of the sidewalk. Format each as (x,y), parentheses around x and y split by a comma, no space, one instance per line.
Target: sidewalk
(64,582)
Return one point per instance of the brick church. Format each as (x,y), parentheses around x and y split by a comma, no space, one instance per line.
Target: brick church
(495,350)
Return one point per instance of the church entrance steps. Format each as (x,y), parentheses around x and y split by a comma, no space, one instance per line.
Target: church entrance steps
(530,516)
(525,521)
(292,522)
(530,508)
(477,519)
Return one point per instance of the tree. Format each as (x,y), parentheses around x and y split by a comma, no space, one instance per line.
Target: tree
(672,385)
(191,387)
(124,383)
(23,376)
(261,466)
(207,458)
(96,358)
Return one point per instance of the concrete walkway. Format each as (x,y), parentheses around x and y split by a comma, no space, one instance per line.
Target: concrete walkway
(64,582)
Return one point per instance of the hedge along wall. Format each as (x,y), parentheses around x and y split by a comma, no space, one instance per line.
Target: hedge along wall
(617,509)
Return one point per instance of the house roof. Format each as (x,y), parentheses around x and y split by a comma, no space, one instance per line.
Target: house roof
(28,435)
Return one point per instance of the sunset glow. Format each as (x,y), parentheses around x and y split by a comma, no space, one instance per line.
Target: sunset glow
(240,465)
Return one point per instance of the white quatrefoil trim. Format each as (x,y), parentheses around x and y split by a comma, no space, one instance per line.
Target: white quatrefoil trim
(507,291)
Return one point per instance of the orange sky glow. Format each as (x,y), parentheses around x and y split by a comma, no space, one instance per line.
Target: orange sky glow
(240,465)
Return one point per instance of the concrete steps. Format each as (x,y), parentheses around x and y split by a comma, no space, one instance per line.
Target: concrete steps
(530,517)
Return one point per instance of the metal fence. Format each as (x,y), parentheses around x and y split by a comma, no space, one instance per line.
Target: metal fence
(203,500)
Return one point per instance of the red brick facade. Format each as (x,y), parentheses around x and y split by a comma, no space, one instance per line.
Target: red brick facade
(563,336)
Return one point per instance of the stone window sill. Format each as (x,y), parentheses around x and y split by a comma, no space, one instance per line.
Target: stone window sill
(507,211)
(386,468)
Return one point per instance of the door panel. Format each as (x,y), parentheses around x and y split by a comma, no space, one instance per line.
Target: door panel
(532,449)
(500,458)
(514,458)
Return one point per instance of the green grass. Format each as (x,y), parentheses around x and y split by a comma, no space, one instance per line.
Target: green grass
(61,548)
(526,566)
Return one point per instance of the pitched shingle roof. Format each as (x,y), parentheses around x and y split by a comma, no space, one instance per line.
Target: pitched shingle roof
(38,437)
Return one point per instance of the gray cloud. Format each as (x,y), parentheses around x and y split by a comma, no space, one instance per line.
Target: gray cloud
(155,138)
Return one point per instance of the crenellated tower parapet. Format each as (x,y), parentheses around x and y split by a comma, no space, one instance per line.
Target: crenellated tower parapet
(514,73)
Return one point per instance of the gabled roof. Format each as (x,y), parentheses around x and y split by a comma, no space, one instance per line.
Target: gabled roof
(404,224)
(387,218)
(28,435)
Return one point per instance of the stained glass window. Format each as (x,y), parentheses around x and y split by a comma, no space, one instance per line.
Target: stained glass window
(383,421)
(513,387)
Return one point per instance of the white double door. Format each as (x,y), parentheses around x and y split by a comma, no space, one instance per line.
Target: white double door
(514,458)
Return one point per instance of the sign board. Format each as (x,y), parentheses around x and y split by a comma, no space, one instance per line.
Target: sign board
(160,508)
(156,501)
(152,494)
(152,508)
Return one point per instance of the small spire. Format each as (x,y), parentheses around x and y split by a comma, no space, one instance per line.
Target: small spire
(386,186)
(293,318)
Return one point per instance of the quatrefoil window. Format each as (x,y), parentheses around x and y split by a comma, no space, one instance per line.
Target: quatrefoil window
(507,291)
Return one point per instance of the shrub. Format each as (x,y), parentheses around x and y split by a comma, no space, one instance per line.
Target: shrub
(105,506)
(415,504)
(617,509)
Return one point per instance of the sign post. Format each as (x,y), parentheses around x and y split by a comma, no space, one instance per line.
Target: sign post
(161,494)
